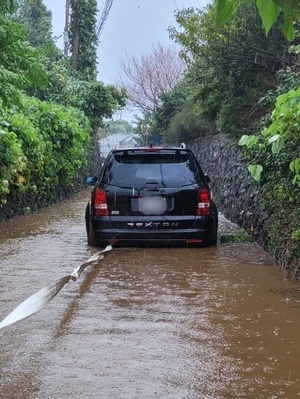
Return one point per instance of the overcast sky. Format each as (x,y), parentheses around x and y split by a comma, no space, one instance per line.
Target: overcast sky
(132,27)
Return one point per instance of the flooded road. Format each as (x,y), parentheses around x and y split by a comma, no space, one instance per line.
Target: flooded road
(162,323)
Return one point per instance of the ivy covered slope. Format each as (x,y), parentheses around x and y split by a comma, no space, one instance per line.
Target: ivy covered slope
(50,105)
(282,178)
(274,150)
(274,162)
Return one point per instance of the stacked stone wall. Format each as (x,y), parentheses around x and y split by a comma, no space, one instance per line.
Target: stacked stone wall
(233,189)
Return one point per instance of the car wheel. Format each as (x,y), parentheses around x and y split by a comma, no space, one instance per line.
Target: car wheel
(214,240)
(89,230)
(213,237)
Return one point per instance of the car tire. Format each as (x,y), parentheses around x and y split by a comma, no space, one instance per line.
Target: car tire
(213,237)
(212,240)
(216,226)
(89,231)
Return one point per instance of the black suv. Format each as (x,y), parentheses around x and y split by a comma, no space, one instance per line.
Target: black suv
(151,196)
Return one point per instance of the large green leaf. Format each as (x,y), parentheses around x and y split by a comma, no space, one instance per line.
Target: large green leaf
(291,11)
(291,7)
(255,171)
(295,166)
(288,28)
(225,10)
(248,141)
(244,140)
(269,12)
(277,142)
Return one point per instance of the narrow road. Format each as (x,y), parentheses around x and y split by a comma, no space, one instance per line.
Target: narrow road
(167,323)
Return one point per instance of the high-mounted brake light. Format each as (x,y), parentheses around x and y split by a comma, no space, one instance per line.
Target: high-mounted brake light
(203,202)
(100,202)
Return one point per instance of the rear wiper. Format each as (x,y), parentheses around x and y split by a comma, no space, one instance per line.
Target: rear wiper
(150,189)
(156,182)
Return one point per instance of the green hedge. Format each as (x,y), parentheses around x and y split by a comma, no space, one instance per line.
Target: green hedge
(41,147)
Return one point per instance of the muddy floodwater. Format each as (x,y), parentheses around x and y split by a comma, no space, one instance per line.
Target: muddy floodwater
(161,323)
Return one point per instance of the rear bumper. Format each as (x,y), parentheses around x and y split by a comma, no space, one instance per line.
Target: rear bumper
(154,231)
(120,238)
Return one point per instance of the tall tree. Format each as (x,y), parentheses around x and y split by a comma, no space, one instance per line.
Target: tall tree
(230,65)
(34,15)
(8,6)
(19,62)
(83,37)
(282,132)
(148,76)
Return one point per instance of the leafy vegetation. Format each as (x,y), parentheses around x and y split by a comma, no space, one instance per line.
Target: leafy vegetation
(275,147)
(282,133)
(230,67)
(42,147)
(20,65)
(50,107)
(241,236)
(83,37)
(36,19)
(274,161)
(244,84)
(269,11)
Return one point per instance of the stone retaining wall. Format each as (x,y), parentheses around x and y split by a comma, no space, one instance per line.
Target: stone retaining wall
(233,188)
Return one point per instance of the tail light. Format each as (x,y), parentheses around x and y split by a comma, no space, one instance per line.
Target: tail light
(100,202)
(203,202)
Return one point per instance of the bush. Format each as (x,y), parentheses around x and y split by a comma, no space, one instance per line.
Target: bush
(42,146)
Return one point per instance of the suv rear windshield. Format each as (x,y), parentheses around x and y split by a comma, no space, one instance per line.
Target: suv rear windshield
(170,168)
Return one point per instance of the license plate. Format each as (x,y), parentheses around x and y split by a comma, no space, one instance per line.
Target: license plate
(153,205)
